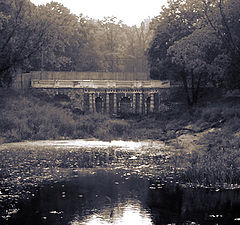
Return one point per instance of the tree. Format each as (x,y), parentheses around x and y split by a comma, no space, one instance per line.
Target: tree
(21,34)
(177,20)
(223,18)
(143,38)
(197,55)
(201,40)
(45,37)
(65,38)
(109,42)
(83,46)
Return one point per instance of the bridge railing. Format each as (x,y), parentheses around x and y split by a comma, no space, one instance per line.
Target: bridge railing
(99,84)
(61,75)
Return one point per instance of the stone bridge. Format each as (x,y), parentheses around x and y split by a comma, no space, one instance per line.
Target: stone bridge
(108,96)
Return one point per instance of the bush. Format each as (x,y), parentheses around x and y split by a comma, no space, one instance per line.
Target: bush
(23,119)
(117,127)
(215,167)
(112,129)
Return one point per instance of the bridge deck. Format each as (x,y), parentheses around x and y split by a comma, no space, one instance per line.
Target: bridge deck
(99,84)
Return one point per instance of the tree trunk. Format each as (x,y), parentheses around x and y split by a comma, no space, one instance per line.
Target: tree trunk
(192,92)
(185,85)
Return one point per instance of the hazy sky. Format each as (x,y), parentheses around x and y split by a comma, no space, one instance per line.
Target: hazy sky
(131,12)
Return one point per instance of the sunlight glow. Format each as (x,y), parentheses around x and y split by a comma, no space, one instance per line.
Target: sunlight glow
(91,143)
(130,213)
(130,12)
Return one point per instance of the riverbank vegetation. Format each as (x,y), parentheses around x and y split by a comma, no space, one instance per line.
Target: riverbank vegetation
(206,138)
(26,117)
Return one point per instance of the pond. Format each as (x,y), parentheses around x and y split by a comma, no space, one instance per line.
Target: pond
(122,195)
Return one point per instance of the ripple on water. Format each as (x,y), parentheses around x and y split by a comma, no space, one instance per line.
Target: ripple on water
(88,143)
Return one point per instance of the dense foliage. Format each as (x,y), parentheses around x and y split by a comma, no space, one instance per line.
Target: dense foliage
(197,43)
(51,38)
(22,34)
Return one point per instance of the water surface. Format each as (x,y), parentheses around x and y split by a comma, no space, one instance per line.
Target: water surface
(102,197)
(111,189)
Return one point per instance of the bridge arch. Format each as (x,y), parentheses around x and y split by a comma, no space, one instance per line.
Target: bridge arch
(125,105)
(148,105)
(99,103)
(61,97)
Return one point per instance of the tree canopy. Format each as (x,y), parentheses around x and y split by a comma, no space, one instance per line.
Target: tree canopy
(197,42)
(22,34)
(49,37)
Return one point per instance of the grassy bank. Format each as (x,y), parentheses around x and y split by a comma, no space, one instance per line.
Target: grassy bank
(27,116)
(213,128)
(209,148)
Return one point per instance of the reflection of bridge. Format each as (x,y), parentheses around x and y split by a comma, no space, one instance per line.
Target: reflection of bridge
(110,96)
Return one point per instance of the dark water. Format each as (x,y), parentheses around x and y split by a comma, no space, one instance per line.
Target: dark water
(108,197)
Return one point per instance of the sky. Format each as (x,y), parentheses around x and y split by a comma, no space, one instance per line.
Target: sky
(131,12)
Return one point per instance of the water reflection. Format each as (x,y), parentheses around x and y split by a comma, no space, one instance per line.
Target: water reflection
(129,212)
(108,197)
(88,143)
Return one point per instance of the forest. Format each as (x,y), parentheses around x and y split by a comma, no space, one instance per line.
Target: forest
(49,37)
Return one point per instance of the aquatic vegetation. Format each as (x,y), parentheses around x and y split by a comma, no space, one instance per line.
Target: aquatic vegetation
(25,168)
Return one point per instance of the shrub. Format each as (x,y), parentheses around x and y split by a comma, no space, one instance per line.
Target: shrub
(117,127)
(28,118)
